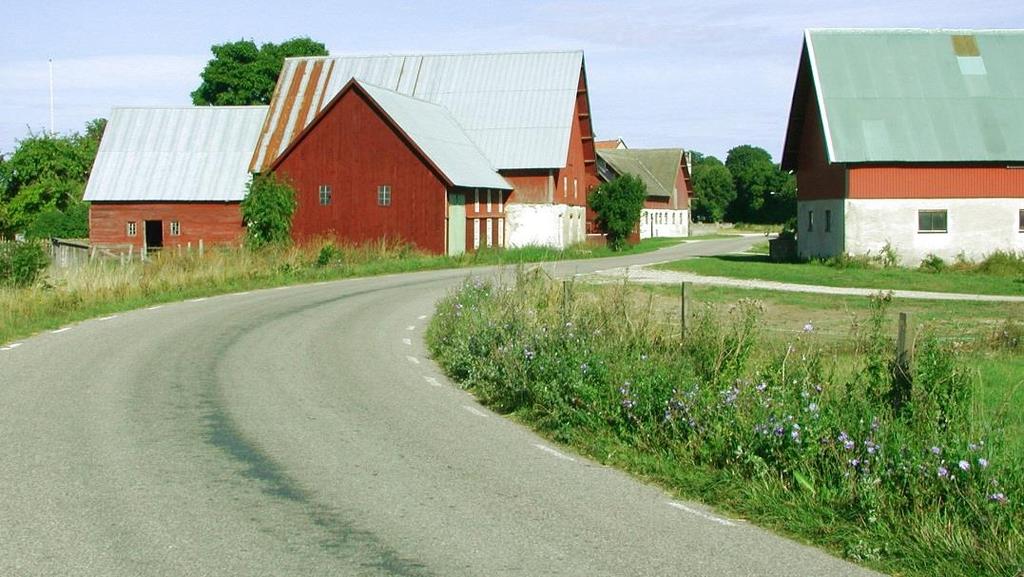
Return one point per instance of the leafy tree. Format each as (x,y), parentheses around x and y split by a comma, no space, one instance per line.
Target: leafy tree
(618,204)
(713,189)
(21,263)
(753,172)
(72,222)
(242,73)
(780,203)
(267,210)
(46,171)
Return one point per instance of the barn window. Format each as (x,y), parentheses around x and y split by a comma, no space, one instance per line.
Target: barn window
(175,228)
(325,195)
(810,221)
(931,221)
(383,195)
(131,228)
(828,221)
(1020,220)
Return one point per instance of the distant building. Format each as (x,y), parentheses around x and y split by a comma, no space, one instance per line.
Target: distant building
(665,172)
(617,144)
(451,152)
(911,138)
(166,177)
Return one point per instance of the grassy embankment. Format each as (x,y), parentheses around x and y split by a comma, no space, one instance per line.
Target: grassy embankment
(105,287)
(999,276)
(798,432)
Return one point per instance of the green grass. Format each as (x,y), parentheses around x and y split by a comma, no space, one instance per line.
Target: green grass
(103,288)
(817,273)
(606,373)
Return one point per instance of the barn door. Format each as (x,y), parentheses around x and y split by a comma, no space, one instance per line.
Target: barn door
(154,234)
(456,223)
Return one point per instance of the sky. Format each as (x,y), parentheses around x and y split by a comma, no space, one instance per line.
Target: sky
(703,76)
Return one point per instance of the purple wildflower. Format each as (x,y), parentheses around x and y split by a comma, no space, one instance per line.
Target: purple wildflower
(942,472)
(761,387)
(998,498)
(854,463)
(964,465)
(983,463)
(936,451)
(870,446)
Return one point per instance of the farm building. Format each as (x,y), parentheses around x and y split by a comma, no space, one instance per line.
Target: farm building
(664,171)
(166,177)
(908,138)
(451,152)
(617,144)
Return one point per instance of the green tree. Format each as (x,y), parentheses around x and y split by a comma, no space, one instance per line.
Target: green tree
(618,204)
(46,171)
(780,203)
(754,175)
(72,222)
(242,73)
(713,189)
(267,210)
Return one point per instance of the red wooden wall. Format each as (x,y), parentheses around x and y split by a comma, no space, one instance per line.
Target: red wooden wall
(211,222)
(353,149)
(912,181)
(815,178)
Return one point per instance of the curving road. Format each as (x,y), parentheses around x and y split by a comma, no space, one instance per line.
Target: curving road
(303,431)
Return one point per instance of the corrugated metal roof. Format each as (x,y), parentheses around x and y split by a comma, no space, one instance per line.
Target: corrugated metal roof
(517,107)
(197,154)
(433,129)
(656,167)
(920,95)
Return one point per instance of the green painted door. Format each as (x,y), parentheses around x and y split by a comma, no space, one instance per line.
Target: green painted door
(456,223)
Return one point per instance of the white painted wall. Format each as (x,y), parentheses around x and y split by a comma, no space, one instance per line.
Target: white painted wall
(555,225)
(975,227)
(664,223)
(826,239)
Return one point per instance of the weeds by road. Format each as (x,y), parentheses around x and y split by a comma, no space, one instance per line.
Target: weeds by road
(899,470)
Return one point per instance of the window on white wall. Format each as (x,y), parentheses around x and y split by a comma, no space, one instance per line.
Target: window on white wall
(810,221)
(931,221)
(828,221)
(1020,220)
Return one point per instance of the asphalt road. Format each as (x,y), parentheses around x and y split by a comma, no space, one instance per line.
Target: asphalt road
(304,431)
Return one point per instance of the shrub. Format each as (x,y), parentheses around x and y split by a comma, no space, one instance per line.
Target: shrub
(1003,263)
(932,263)
(72,222)
(21,263)
(267,210)
(888,256)
(618,204)
(328,255)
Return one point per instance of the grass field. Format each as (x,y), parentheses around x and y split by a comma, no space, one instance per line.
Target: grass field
(802,431)
(817,273)
(105,287)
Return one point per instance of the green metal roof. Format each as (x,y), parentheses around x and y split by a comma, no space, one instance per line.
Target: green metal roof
(919,95)
(656,167)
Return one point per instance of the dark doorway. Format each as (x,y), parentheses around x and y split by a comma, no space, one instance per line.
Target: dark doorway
(154,234)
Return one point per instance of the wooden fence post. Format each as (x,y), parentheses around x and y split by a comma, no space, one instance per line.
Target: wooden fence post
(684,308)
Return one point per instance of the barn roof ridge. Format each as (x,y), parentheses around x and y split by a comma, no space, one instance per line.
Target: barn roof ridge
(418,54)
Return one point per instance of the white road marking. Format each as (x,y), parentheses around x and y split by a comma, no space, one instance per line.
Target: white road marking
(421,317)
(154,307)
(553,452)
(242,293)
(107,318)
(474,410)
(63,330)
(413,360)
(410,328)
(10,346)
(434,382)
(198,300)
(407,341)
(701,514)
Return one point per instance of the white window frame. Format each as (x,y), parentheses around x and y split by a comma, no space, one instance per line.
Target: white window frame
(325,194)
(921,213)
(131,228)
(175,228)
(384,195)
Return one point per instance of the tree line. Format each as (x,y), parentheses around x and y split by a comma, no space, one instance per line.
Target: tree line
(748,187)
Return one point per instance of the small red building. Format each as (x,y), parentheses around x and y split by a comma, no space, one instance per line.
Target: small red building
(527,115)
(167,177)
(666,174)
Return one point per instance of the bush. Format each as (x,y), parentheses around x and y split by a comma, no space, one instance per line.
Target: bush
(618,204)
(21,263)
(72,222)
(267,210)
(932,263)
(328,255)
(1003,263)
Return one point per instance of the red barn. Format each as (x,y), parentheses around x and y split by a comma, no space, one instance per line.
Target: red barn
(527,115)
(665,173)
(911,139)
(167,177)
